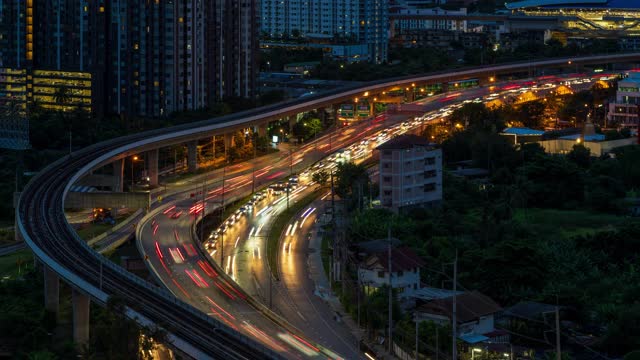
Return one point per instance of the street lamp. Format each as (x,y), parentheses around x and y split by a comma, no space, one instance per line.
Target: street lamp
(133,159)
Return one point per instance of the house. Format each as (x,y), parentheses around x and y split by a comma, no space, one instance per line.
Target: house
(405,271)
(474,315)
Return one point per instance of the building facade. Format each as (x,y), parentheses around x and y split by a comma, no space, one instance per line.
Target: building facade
(341,21)
(374,272)
(580,20)
(143,58)
(624,111)
(410,172)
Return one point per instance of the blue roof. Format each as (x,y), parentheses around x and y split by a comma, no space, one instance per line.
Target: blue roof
(522,131)
(607,4)
(473,338)
(595,137)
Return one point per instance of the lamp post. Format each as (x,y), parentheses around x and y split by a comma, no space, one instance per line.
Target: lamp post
(474,351)
(133,159)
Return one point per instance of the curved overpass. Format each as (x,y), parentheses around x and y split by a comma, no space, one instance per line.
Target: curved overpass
(41,221)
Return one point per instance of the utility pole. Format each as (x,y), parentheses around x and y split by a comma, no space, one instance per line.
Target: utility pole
(437,345)
(253,182)
(416,337)
(224,174)
(290,174)
(558,351)
(358,289)
(390,296)
(204,191)
(454,345)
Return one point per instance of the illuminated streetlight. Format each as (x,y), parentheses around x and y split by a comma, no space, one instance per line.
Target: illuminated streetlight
(133,159)
(474,351)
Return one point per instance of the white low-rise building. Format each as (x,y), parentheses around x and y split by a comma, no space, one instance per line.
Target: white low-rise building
(410,172)
(624,111)
(405,272)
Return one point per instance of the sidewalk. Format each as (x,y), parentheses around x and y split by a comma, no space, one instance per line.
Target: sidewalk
(323,290)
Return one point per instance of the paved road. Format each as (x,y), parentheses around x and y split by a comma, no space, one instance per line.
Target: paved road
(185,272)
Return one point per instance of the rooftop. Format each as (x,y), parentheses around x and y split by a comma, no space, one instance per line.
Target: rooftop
(522,131)
(581,4)
(528,309)
(402,259)
(405,141)
(470,306)
(594,137)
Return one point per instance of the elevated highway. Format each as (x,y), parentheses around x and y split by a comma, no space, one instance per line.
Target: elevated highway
(41,222)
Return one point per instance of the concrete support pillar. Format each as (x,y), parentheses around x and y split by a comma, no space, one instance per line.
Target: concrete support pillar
(213,148)
(118,175)
(322,115)
(51,290)
(292,122)
(409,95)
(152,166)
(229,142)
(81,303)
(192,156)
(262,130)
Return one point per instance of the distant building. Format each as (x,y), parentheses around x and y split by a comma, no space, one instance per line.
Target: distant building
(329,21)
(579,20)
(624,111)
(522,134)
(142,58)
(410,172)
(405,271)
(446,23)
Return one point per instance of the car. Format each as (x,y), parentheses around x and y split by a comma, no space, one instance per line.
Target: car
(176,214)
(223,228)
(243,209)
(215,234)
(231,220)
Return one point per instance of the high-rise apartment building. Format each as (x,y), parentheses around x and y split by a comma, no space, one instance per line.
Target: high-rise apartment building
(144,58)
(359,21)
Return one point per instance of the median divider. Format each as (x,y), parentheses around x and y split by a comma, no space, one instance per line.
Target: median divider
(119,226)
(278,228)
(277,319)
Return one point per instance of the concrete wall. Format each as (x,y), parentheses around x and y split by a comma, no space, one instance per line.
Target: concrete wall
(107,200)
(560,146)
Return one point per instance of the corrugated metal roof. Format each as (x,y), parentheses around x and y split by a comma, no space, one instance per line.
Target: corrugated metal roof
(522,131)
(609,4)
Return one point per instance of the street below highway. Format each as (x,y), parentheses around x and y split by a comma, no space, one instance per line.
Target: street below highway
(166,237)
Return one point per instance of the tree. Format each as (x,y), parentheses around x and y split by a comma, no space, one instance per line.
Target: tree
(623,335)
(349,178)
(42,355)
(62,95)
(580,155)
(321,177)
(552,181)
(531,114)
